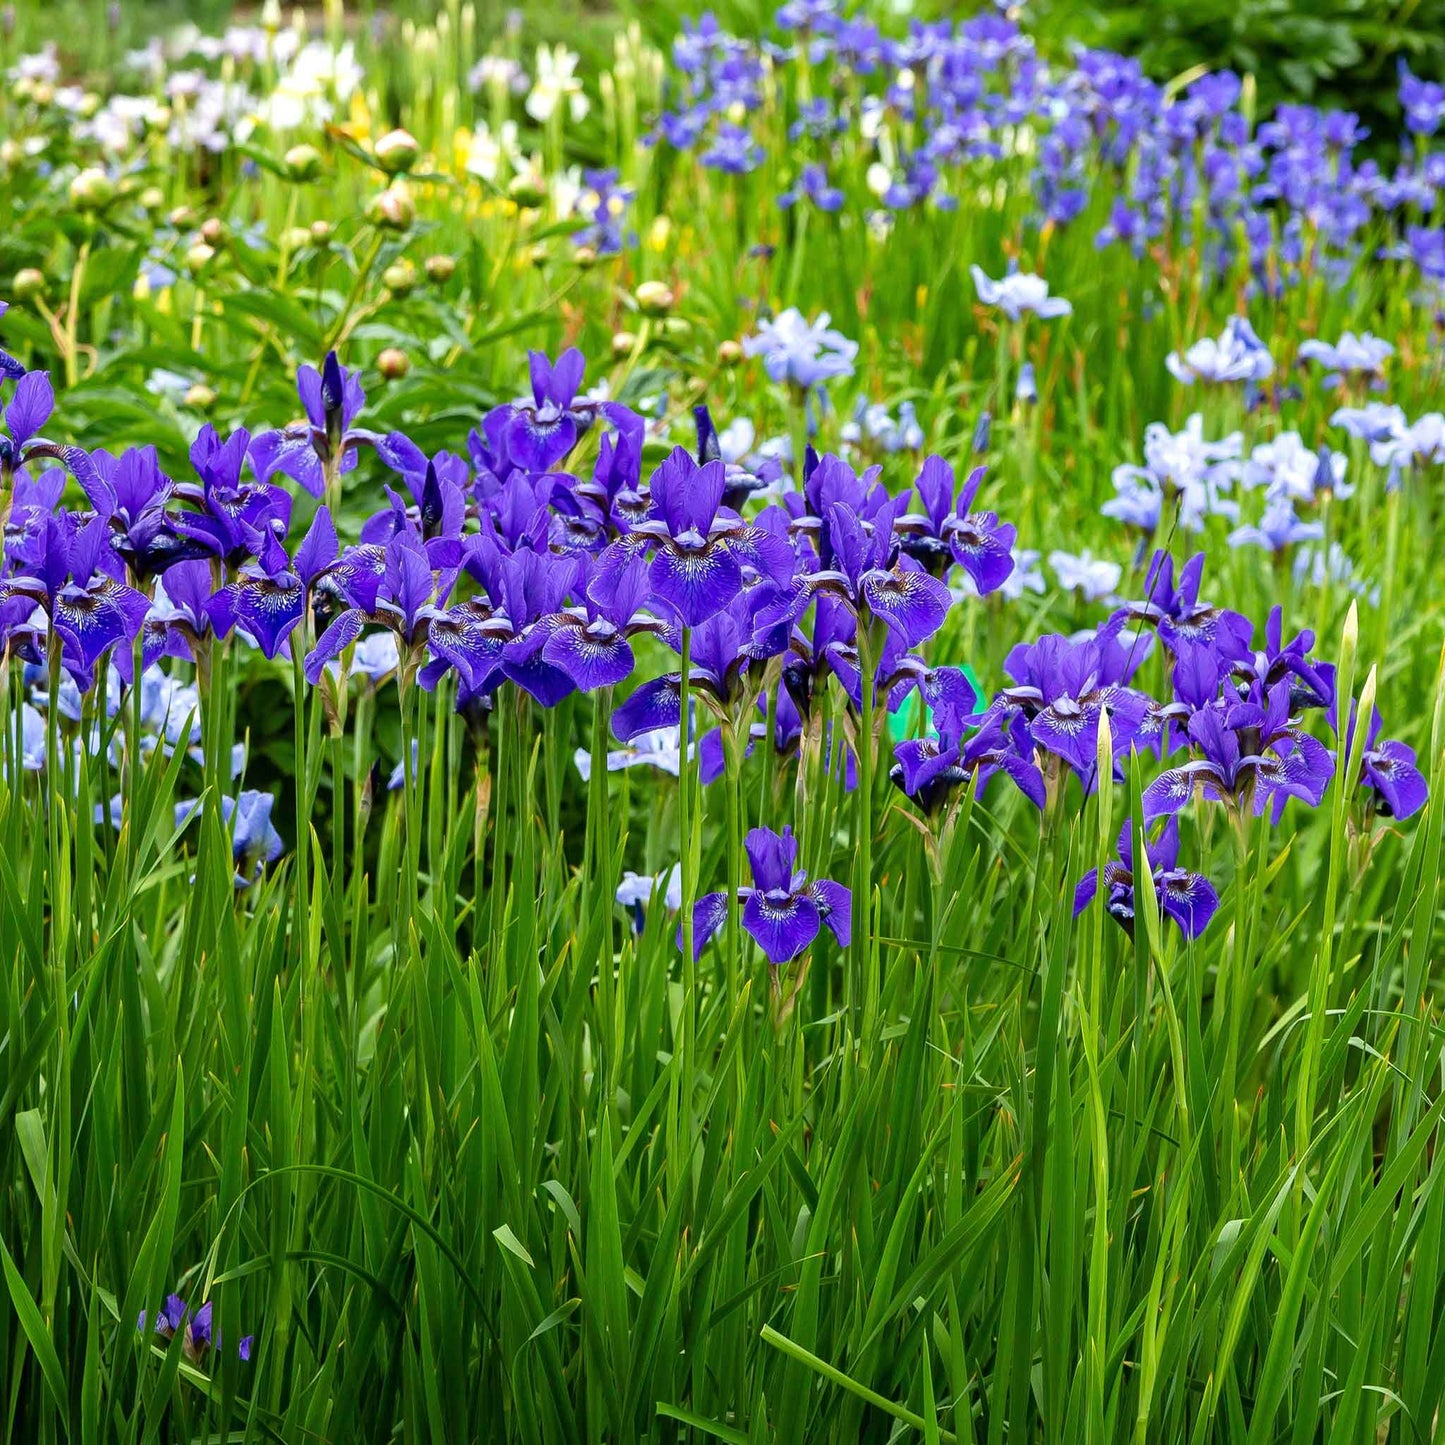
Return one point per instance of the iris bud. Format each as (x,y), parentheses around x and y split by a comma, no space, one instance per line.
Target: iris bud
(393,363)
(654,298)
(396,152)
(440,269)
(400,278)
(92,189)
(303,162)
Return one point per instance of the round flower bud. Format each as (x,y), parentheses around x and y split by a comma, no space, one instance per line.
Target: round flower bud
(320,232)
(158,118)
(391,210)
(400,278)
(180,217)
(654,298)
(199,257)
(393,363)
(440,269)
(585,257)
(396,152)
(92,189)
(295,238)
(622,344)
(11,153)
(212,232)
(729,353)
(528,190)
(43,93)
(152,199)
(28,284)
(302,162)
(89,104)
(200,397)
(677,327)
(539,255)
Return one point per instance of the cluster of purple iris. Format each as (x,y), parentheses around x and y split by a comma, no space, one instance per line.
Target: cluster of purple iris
(501,567)
(928,105)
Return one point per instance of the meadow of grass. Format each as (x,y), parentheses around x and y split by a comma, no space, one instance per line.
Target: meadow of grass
(342,1099)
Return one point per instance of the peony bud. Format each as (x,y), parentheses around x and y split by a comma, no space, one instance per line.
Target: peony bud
(654,298)
(302,162)
(393,363)
(396,152)
(440,269)
(92,190)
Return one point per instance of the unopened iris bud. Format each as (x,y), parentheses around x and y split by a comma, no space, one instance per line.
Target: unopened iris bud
(730,353)
(440,269)
(303,163)
(528,190)
(400,278)
(396,152)
(622,344)
(391,210)
(200,397)
(585,257)
(92,189)
(28,284)
(212,232)
(199,257)
(393,363)
(654,298)
(981,434)
(320,232)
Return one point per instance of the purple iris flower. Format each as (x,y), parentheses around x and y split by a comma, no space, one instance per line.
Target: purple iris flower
(1063,688)
(741,482)
(589,642)
(782,911)
(929,770)
(133,492)
(254,839)
(175,1318)
(697,569)
(864,566)
(61,567)
(231,516)
(179,619)
(727,657)
(1311,684)
(1397,787)
(1188,898)
(1180,617)
(325,443)
(28,410)
(947,531)
(399,593)
(10,369)
(538,435)
(268,598)
(1250,756)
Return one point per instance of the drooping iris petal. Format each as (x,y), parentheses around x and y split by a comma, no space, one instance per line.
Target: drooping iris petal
(709,914)
(1188,898)
(333,642)
(1390,770)
(835,904)
(590,659)
(93,619)
(696,582)
(909,600)
(656,704)
(782,924)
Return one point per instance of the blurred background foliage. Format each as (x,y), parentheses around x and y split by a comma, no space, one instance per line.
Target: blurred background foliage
(1338,53)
